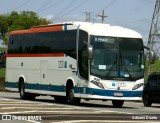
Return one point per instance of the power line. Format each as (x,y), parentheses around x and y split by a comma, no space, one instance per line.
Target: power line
(21,5)
(80,5)
(73,9)
(64,9)
(108,5)
(44,5)
(50,6)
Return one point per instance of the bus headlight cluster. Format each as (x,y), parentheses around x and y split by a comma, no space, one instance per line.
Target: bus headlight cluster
(137,86)
(97,84)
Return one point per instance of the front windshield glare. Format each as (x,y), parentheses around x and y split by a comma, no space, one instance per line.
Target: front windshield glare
(105,60)
(131,58)
(117,57)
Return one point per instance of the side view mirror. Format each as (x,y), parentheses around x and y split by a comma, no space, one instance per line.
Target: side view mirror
(90,52)
(152,57)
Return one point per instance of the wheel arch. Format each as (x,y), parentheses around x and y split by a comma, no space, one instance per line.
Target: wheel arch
(70,80)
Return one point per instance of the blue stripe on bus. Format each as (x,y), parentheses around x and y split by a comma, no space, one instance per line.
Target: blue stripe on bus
(112,92)
(90,91)
(45,87)
(11,84)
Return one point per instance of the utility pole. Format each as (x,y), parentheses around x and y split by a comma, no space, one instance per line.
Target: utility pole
(154,35)
(88,16)
(102,16)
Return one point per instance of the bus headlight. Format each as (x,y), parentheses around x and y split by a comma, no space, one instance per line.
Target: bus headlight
(137,86)
(97,84)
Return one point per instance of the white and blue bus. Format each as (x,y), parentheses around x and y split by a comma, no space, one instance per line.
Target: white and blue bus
(76,60)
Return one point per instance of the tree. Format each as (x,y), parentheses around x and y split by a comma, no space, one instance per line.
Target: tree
(12,17)
(26,20)
(3,25)
(19,21)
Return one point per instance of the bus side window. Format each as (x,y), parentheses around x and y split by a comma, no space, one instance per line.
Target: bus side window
(82,55)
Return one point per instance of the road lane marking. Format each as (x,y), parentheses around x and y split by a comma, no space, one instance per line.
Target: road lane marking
(33,108)
(17,112)
(33,121)
(101,111)
(20,104)
(31,104)
(58,112)
(105,121)
(42,103)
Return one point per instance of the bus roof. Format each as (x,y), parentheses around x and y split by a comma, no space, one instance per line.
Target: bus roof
(91,28)
(108,30)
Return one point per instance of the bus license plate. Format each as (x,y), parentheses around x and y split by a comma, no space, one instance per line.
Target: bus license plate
(117,94)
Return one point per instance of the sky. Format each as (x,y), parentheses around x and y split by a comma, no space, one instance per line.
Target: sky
(133,14)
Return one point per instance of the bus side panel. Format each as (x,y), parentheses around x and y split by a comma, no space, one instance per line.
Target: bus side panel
(42,75)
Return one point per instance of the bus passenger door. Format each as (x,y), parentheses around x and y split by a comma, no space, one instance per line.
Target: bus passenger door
(43,75)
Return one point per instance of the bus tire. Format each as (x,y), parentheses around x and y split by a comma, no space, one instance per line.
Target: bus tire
(23,94)
(117,103)
(146,100)
(71,97)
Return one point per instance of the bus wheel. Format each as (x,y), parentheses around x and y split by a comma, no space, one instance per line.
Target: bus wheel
(71,97)
(23,95)
(146,101)
(117,103)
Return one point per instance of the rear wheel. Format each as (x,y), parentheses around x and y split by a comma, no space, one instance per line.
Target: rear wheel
(23,94)
(146,100)
(117,103)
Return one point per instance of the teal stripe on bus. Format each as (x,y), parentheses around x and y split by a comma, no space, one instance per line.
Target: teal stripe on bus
(90,91)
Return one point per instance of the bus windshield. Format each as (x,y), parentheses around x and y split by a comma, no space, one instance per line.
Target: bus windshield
(117,58)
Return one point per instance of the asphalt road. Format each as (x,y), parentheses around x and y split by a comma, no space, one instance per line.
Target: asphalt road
(45,110)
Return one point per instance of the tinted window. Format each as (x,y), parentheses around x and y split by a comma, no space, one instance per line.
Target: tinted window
(52,42)
(82,55)
(44,42)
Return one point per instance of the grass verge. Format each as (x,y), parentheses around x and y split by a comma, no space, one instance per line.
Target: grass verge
(2,78)
(2,72)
